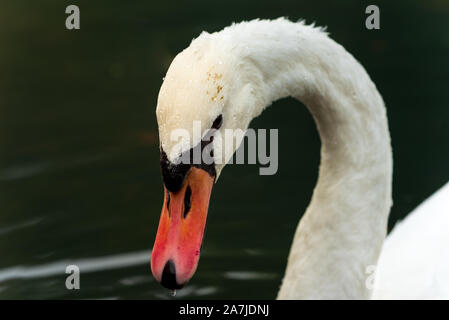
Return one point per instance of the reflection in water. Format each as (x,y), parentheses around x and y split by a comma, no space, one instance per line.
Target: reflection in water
(20,225)
(79,156)
(23,171)
(248,275)
(131,281)
(85,266)
(191,291)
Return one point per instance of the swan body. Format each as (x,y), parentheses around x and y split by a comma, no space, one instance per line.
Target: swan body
(235,74)
(414,262)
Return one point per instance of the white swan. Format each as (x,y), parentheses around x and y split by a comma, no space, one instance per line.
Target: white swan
(224,80)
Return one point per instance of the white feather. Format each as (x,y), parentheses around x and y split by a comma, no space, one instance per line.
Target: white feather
(242,69)
(414,263)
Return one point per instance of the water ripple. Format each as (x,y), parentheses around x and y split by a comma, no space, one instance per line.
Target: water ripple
(248,275)
(85,266)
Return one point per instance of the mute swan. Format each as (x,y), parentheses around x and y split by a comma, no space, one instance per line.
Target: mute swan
(224,80)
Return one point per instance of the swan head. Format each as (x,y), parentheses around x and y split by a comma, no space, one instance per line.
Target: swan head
(202,95)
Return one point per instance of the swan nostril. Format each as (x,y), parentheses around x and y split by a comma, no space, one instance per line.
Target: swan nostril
(168,279)
(168,202)
(187,201)
(217,122)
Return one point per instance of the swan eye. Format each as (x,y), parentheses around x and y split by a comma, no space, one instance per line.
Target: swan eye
(187,202)
(217,122)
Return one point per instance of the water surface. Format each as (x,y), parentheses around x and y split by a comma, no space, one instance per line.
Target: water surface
(79,160)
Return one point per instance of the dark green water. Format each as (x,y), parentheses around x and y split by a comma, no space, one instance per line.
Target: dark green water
(79,160)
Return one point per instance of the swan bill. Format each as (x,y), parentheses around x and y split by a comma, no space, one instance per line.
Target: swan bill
(176,250)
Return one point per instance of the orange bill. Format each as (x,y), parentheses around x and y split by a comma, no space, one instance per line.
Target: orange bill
(176,250)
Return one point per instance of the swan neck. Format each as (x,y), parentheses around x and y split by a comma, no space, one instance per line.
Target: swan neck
(342,231)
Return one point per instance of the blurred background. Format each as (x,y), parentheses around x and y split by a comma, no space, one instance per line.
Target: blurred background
(79,160)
